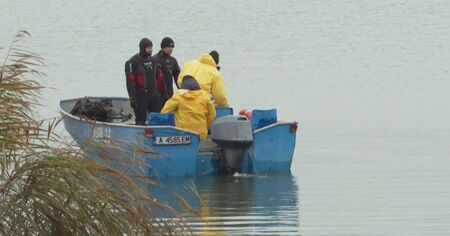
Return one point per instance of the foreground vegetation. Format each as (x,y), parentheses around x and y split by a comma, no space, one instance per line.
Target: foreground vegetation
(47,186)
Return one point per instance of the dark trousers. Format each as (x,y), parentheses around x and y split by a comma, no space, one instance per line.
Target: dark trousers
(146,102)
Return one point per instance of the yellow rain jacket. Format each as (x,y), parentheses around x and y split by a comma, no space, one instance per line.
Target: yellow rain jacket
(204,70)
(193,110)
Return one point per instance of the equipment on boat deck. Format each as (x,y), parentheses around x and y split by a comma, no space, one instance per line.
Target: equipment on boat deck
(246,112)
(98,110)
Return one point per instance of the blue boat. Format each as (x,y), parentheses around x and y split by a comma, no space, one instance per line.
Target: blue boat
(257,146)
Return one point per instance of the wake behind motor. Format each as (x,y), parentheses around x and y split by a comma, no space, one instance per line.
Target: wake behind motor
(233,134)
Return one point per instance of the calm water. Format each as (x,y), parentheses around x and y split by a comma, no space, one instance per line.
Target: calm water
(367,80)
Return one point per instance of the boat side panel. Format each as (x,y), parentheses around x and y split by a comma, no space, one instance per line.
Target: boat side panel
(175,160)
(162,161)
(272,150)
(112,145)
(205,164)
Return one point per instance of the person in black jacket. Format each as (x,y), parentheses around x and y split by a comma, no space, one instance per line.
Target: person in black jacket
(140,72)
(169,69)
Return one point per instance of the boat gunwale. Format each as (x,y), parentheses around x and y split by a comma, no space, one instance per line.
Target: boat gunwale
(144,126)
(67,114)
(273,125)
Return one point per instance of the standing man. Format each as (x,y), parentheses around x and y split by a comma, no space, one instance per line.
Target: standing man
(140,72)
(168,69)
(206,71)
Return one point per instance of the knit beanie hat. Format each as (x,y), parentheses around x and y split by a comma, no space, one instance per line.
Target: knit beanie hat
(167,42)
(215,56)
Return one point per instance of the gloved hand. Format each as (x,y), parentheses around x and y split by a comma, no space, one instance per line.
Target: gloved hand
(133,103)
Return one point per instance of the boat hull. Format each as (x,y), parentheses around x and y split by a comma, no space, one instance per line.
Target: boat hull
(136,151)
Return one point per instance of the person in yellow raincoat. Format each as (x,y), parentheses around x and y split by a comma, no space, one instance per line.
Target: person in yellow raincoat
(206,71)
(192,106)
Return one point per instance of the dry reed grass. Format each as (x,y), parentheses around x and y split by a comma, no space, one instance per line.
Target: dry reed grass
(49,187)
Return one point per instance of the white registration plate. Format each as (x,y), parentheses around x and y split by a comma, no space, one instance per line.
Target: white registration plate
(172,140)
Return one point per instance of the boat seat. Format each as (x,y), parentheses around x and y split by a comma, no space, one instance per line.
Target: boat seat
(223,111)
(161,119)
(262,118)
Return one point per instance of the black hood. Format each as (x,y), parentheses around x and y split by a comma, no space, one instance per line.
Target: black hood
(145,42)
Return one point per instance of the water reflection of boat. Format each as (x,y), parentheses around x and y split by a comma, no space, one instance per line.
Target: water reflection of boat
(260,145)
(248,204)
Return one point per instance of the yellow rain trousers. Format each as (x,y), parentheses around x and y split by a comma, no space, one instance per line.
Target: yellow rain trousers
(204,70)
(193,110)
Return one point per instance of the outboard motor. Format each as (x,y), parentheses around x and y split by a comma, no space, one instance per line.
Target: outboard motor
(233,134)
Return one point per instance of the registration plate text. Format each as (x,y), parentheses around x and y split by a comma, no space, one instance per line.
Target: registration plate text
(172,140)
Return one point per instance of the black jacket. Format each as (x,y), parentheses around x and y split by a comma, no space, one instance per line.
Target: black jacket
(140,74)
(170,69)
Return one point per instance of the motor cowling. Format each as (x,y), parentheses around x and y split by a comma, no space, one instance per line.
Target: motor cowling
(233,134)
